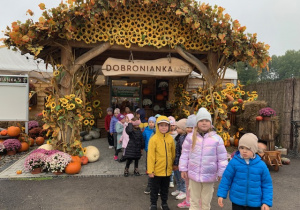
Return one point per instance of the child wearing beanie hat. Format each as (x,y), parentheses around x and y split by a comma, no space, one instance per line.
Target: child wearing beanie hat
(108,117)
(119,129)
(203,160)
(246,176)
(112,127)
(173,133)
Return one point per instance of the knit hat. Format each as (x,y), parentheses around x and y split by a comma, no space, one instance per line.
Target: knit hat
(117,111)
(130,116)
(120,117)
(181,124)
(109,109)
(157,116)
(249,140)
(191,121)
(153,119)
(203,114)
(172,120)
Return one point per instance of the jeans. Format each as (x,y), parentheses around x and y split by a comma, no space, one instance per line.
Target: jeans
(172,177)
(180,181)
(159,183)
(238,207)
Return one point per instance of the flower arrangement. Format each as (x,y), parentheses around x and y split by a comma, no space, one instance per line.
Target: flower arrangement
(57,162)
(35,160)
(12,144)
(32,124)
(147,102)
(2,147)
(267,112)
(163,84)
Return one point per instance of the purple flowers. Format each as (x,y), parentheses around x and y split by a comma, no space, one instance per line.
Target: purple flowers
(32,124)
(58,161)
(35,160)
(12,144)
(267,112)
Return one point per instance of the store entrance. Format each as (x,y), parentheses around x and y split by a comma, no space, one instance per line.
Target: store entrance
(125,93)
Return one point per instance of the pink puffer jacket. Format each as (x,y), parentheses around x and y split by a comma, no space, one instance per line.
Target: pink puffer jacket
(125,138)
(207,160)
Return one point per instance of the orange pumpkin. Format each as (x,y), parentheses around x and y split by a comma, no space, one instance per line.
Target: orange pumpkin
(39,141)
(259,118)
(24,147)
(236,142)
(73,167)
(13,131)
(3,132)
(1,141)
(84,160)
(76,159)
(160,97)
(19,172)
(146,91)
(31,142)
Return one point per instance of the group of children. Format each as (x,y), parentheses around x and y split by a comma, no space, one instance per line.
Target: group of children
(194,154)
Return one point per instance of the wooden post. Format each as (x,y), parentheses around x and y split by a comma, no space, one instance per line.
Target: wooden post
(265,131)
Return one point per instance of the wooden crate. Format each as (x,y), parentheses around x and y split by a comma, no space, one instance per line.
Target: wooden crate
(265,130)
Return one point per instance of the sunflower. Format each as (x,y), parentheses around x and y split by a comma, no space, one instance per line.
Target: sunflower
(63,100)
(87,90)
(219,129)
(44,113)
(242,92)
(204,104)
(199,100)
(255,95)
(187,103)
(65,105)
(221,111)
(250,99)
(237,95)
(180,104)
(180,85)
(48,98)
(92,116)
(78,100)
(71,106)
(187,113)
(56,73)
(72,96)
(235,108)
(68,97)
(53,105)
(88,109)
(86,122)
(92,122)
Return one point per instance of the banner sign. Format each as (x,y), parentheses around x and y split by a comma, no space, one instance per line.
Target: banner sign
(13,79)
(123,91)
(167,67)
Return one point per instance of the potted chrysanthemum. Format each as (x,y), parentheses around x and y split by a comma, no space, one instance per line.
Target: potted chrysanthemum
(147,102)
(11,146)
(35,162)
(267,113)
(57,162)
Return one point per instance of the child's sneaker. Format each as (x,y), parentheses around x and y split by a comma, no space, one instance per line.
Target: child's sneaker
(153,207)
(183,205)
(181,195)
(115,158)
(164,207)
(171,184)
(147,190)
(175,193)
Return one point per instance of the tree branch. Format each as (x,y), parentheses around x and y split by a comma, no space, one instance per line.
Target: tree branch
(89,55)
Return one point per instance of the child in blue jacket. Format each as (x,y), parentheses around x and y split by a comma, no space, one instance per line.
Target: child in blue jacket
(147,134)
(247,178)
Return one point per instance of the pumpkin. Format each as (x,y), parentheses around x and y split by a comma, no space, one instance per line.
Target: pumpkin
(31,142)
(76,159)
(39,141)
(19,172)
(236,142)
(73,168)
(259,118)
(229,97)
(88,137)
(146,91)
(92,153)
(227,143)
(3,132)
(46,147)
(94,134)
(13,131)
(240,100)
(160,97)
(24,147)
(1,141)
(84,160)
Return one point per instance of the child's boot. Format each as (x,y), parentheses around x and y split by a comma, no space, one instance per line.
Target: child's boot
(126,172)
(136,172)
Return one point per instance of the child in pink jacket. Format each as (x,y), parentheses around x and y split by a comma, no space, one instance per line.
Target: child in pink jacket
(203,160)
(125,138)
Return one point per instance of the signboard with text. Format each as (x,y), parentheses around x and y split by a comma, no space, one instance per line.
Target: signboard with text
(124,91)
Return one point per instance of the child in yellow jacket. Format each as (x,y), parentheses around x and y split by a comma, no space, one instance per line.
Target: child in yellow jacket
(160,158)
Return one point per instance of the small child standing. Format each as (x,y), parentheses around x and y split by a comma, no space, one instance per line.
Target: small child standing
(190,125)
(108,117)
(134,147)
(119,129)
(161,155)
(148,132)
(247,178)
(173,133)
(203,161)
(180,192)
(125,138)
(112,127)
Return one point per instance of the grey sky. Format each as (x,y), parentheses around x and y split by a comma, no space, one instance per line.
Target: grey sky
(276,22)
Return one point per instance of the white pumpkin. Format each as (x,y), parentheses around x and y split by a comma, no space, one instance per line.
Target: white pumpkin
(231,139)
(95,134)
(88,137)
(46,147)
(92,153)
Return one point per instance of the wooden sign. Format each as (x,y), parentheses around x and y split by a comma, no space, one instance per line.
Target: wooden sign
(164,67)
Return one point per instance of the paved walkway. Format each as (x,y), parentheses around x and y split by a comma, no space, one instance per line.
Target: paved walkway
(105,166)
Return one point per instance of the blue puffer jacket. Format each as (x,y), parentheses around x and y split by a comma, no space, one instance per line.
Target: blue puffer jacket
(112,127)
(146,136)
(249,184)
